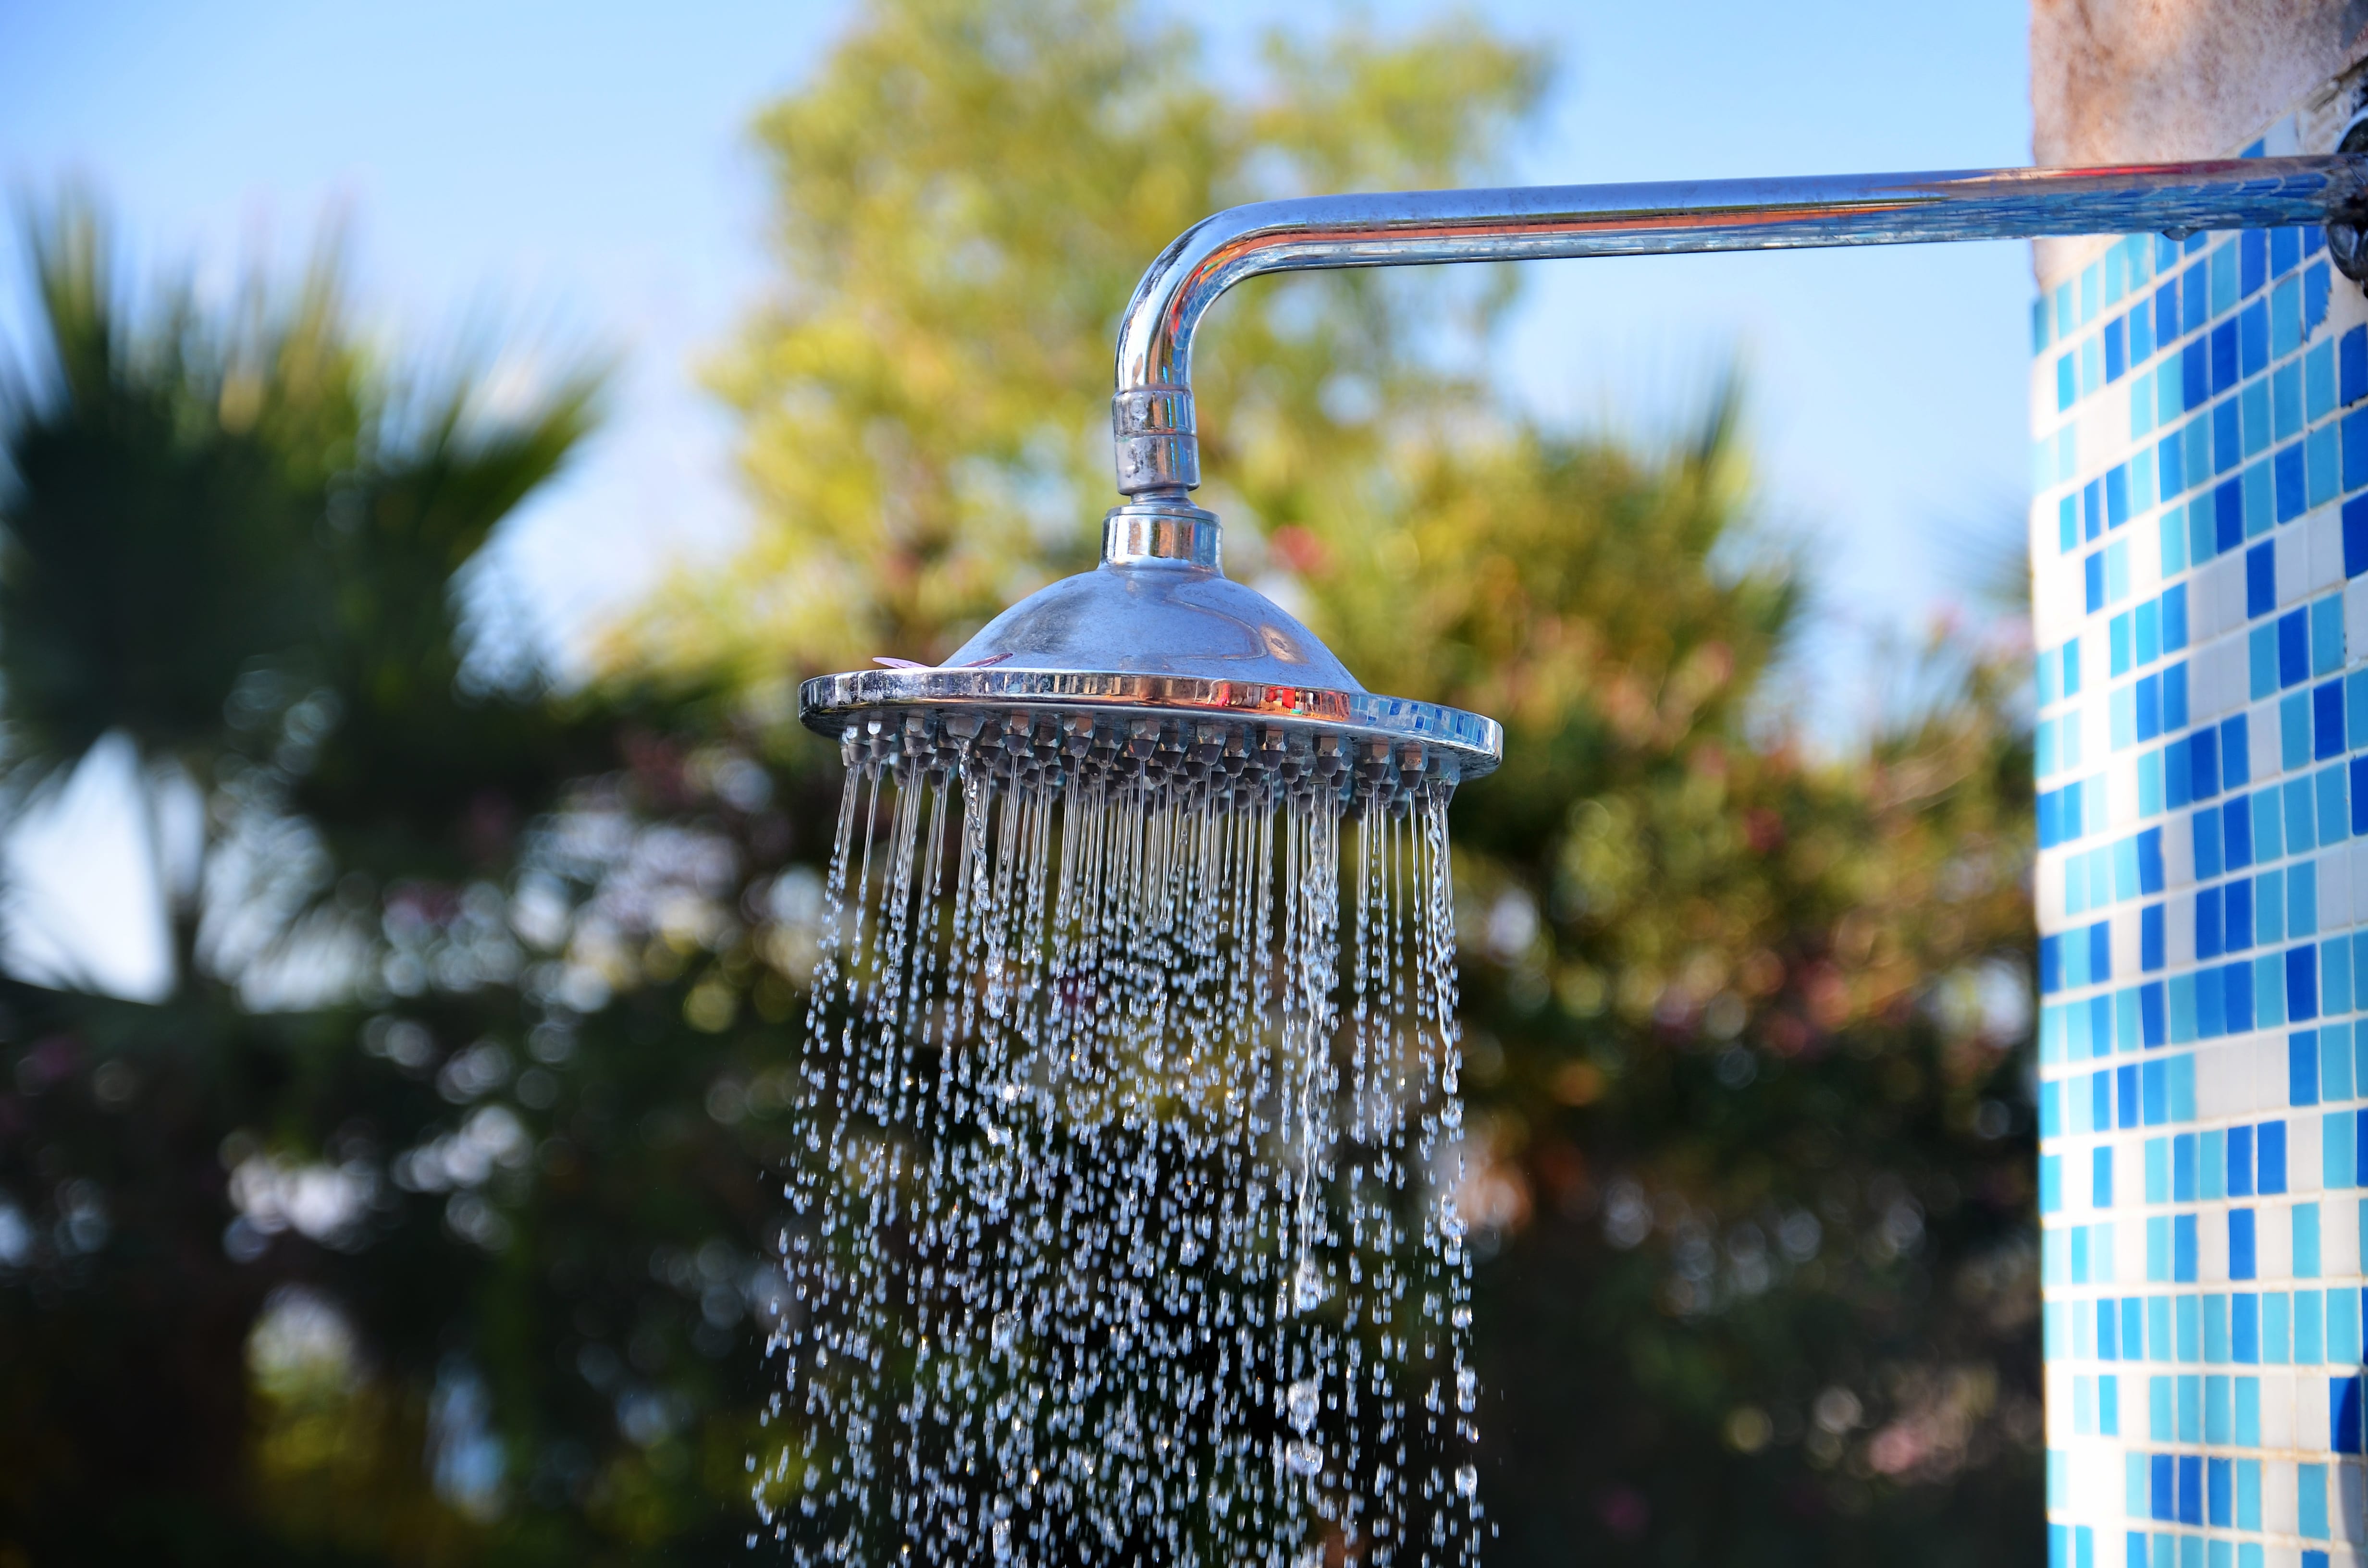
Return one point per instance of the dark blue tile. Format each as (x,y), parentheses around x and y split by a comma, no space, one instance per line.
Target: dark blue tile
(2240,1244)
(2355,450)
(2196,373)
(2302,984)
(2237,839)
(2285,251)
(2260,580)
(2240,1161)
(2314,287)
(2351,364)
(2150,860)
(2202,765)
(2294,643)
(2252,262)
(2166,311)
(2152,1028)
(2101,951)
(2228,512)
(2051,965)
(2235,754)
(2150,938)
(2208,923)
(2223,357)
(2236,902)
(2355,535)
(2269,1140)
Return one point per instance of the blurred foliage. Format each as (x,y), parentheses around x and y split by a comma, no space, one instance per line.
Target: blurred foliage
(426,1221)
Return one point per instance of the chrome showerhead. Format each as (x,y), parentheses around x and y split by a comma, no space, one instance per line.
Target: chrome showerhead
(1156,664)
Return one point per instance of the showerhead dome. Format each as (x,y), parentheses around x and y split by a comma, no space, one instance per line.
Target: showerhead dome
(1154,664)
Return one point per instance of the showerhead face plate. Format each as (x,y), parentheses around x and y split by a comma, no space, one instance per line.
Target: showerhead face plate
(1153,667)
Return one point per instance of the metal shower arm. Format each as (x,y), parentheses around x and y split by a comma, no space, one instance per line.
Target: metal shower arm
(1159,457)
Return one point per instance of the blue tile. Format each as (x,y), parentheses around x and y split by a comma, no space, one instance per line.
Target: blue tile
(2174,618)
(2315,284)
(2326,720)
(2293,482)
(2166,311)
(2355,535)
(2285,251)
(2195,374)
(2355,450)
(2233,749)
(2117,350)
(2285,319)
(2352,360)
(2285,401)
(2228,434)
(2253,260)
(2236,903)
(2302,983)
(2228,517)
(2253,338)
(2294,627)
(2224,358)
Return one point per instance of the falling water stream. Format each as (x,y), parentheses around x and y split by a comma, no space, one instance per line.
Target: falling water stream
(1121,1227)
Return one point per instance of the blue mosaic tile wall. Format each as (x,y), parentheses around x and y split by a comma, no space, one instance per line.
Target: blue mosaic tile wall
(2200,550)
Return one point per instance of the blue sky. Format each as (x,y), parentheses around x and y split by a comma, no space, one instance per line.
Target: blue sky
(583,168)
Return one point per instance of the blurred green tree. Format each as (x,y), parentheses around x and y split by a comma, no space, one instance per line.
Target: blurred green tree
(1749,1136)
(425,1220)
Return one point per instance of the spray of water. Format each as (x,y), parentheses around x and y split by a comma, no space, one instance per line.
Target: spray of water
(1122,1228)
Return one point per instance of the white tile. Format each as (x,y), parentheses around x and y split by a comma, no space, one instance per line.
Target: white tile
(2291,550)
(2126,942)
(2325,531)
(2211,1245)
(2261,739)
(2338,1235)
(2278,1426)
(2129,1236)
(2267,1050)
(2273,1238)
(2305,1171)
(2179,931)
(2310,1408)
(2179,856)
(2334,892)
(2355,620)
(2226,580)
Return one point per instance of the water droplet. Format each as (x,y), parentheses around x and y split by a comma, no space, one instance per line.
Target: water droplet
(1303,1402)
(1467,1480)
(1303,1456)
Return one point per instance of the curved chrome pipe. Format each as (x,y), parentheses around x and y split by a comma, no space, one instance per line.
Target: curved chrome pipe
(1158,456)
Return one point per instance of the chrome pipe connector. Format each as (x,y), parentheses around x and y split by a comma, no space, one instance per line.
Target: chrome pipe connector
(1163,529)
(1153,419)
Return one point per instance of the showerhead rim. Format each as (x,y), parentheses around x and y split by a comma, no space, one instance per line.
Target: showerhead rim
(829,704)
